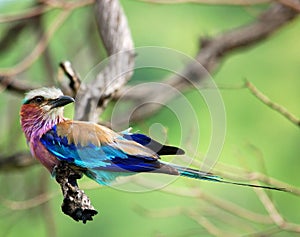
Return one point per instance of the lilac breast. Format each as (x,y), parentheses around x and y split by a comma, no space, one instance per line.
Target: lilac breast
(43,155)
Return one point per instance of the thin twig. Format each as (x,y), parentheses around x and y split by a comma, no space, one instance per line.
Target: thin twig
(160,213)
(221,203)
(212,2)
(67,5)
(28,13)
(209,226)
(29,203)
(280,109)
(289,3)
(44,40)
(43,8)
(294,4)
(264,233)
(274,213)
(38,50)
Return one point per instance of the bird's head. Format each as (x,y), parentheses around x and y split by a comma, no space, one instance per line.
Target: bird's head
(43,108)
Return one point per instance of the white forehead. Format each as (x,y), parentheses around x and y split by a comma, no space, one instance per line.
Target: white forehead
(46,92)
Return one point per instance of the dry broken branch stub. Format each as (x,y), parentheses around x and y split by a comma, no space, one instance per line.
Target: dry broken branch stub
(74,79)
(76,203)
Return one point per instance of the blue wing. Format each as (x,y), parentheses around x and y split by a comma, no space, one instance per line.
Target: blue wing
(155,146)
(101,153)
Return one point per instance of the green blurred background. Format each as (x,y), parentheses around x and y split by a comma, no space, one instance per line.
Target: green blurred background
(253,129)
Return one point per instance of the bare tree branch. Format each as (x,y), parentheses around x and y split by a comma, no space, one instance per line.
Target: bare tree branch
(38,50)
(209,226)
(13,85)
(294,4)
(76,203)
(116,37)
(275,215)
(28,13)
(11,35)
(289,3)
(43,7)
(27,204)
(280,109)
(67,4)
(16,161)
(19,87)
(212,52)
(212,2)
(45,38)
(216,201)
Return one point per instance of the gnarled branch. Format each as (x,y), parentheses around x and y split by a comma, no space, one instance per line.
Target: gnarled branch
(212,51)
(116,37)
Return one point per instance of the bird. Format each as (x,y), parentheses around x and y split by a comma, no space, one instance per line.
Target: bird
(97,151)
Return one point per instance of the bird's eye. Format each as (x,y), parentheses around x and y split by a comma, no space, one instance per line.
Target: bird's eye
(39,99)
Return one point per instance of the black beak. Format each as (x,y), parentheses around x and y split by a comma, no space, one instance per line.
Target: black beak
(61,101)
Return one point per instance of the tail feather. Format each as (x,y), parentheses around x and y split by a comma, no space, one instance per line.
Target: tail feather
(197,174)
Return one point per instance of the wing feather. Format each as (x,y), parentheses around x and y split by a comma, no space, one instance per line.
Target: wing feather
(99,150)
(88,145)
(153,145)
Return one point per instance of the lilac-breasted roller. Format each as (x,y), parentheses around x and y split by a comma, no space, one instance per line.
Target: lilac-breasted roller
(97,151)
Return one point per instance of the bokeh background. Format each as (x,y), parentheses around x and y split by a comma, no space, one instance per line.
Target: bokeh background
(257,139)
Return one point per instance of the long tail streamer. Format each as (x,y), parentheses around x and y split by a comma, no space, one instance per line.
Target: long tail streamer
(197,174)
